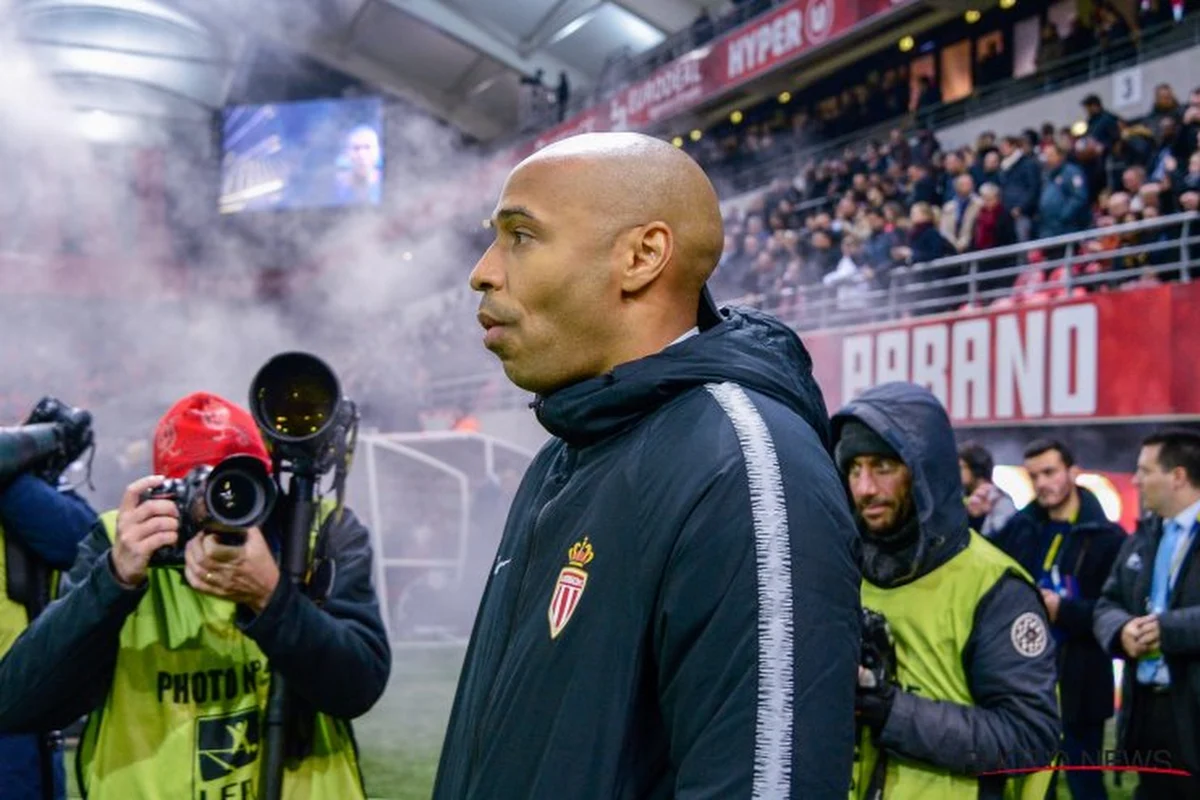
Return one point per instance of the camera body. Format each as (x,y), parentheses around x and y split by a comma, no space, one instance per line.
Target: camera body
(878,650)
(227,499)
(74,433)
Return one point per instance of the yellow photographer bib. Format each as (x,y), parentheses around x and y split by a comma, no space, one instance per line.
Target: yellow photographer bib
(931,621)
(13,616)
(184,718)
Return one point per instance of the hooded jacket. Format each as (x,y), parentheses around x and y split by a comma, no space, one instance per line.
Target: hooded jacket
(1013,722)
(673,611)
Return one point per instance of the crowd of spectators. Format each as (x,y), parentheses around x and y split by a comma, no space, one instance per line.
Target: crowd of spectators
(774,133)
(846,223)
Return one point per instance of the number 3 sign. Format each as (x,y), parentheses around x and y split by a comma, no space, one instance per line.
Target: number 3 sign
(1127,87)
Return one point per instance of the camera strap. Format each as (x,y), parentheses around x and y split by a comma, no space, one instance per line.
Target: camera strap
(28,577)
(878,773)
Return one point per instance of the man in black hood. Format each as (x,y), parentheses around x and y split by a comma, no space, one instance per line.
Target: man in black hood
(673,610)
(972,690)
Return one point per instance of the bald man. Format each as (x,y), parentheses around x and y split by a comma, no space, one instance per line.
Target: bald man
(673,610)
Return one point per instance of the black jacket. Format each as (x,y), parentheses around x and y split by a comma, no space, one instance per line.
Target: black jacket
(1086,555)
(1021,185)
(1123,598)
(1013,723)
(713,648)
(336,658)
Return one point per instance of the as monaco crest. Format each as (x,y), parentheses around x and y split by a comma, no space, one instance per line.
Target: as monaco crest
(569,588)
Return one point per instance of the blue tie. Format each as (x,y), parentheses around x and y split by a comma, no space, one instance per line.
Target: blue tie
(1151,668)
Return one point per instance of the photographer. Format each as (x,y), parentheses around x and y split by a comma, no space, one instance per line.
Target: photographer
(974,685)
(40,528)
(174,666)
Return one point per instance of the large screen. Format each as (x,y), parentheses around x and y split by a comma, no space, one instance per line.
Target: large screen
(311,154)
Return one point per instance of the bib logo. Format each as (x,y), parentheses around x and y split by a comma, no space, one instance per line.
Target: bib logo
(224,745)
(820,20)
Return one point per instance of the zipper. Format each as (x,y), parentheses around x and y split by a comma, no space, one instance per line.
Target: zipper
(562,476)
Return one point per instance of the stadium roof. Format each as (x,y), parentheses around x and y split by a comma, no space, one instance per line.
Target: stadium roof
(460,60)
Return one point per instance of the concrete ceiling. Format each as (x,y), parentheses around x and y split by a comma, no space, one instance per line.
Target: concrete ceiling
(460,60)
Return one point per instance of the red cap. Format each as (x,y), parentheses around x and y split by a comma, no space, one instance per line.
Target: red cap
(203,428)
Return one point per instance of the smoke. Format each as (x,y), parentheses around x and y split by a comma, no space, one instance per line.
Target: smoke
(122,289)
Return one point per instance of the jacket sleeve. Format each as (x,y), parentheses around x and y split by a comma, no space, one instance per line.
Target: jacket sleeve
(1032,180)
(336,656)
(1075,614)
(1110,614)
(1075,194)
(756,637)
(51,523)
(1002,511)
(1014,722)
(61,667)
(1180,631)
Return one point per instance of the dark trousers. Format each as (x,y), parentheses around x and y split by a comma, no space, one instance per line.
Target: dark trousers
(1081,746)
(1153,731)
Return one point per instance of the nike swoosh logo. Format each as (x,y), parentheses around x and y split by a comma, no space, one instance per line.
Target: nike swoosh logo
(500,565)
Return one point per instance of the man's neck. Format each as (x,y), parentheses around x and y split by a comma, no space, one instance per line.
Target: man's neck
(1181,501)
(1069,510)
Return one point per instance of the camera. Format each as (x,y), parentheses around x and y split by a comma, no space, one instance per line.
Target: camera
(297,401)
(55,435)
(227,499)
(878,651)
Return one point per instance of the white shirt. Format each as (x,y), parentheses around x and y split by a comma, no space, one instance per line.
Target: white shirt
(1186,518)
(686,335)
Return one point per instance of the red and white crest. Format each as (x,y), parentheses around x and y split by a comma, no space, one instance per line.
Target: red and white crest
(572,580)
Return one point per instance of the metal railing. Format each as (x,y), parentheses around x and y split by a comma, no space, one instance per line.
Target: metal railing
(1059,75)
(1170,248)
(1164,246)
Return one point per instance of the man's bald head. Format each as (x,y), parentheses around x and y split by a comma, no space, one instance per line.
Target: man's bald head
(630,179)
(604,242)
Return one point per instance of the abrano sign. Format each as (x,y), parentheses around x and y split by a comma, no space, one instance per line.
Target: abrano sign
(1114,356)
(987,368)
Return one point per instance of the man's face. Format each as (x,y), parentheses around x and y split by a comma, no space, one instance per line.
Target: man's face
(991,162)
(1053,482)
(364,152)
(1132,180)
(881,488)
(550,282)
(954,163)
(1154,484)
(1053,157)
(1118,205)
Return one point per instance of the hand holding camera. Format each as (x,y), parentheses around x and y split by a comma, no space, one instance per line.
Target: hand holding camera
(143,529)
(876,689)
(159,518)
(245,574)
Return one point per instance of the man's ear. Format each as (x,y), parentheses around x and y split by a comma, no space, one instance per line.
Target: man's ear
(1073,471)
(647,250)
